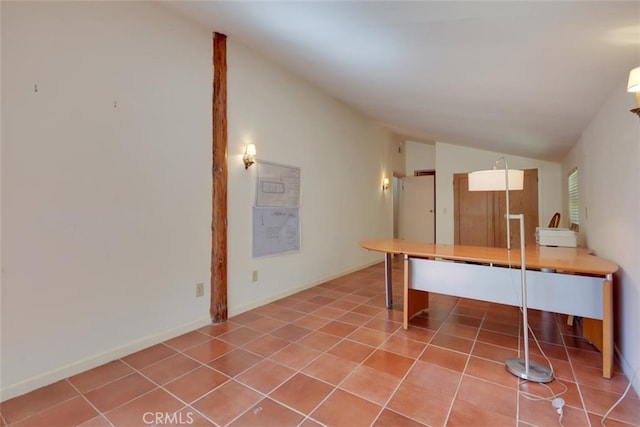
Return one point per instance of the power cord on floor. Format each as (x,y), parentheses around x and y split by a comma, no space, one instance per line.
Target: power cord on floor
(606,414)
(556,401)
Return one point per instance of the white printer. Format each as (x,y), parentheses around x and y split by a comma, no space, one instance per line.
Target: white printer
(556,237)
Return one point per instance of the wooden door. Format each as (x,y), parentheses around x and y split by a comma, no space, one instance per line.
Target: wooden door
(523,201)
(479,216)
(473,214)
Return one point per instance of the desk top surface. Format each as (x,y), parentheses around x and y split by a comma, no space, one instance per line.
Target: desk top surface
(573,260)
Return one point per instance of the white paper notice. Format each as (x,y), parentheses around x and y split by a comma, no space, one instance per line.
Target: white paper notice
(278,185)
(275,230)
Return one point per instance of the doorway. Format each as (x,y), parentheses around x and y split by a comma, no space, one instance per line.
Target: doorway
(416,208)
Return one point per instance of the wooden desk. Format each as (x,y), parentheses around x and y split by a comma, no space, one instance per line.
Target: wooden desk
(561,280)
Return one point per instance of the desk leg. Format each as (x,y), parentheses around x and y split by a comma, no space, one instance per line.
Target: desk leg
(405,299)
(607,326)
(414,300)
(388,279)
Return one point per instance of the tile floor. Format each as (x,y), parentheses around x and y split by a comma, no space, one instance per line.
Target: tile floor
(333,355)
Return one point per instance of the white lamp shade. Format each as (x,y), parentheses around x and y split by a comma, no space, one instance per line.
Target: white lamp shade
(495,180)
(251,150)
(634,80)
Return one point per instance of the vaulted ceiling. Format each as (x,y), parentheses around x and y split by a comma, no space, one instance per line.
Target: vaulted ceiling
(518,77)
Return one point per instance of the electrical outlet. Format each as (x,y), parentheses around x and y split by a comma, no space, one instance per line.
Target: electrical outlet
(199,289)
(254,276)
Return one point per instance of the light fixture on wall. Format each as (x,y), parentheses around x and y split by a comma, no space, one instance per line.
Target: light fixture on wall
(249,157)
(385,184)
(634,86)
(505,180)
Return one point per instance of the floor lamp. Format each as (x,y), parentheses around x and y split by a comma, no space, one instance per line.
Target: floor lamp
(505,180)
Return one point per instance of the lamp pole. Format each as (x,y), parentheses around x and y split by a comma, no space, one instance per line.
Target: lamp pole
(506,186)
(523,282)
(524,369)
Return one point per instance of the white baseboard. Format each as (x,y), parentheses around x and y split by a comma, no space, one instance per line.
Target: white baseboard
(79,366)
(633,375)
(289,292)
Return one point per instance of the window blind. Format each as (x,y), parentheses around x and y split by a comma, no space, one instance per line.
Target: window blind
(574,208)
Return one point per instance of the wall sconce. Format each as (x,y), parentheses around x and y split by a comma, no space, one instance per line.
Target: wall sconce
(634,86)
(249,157)
(385,184)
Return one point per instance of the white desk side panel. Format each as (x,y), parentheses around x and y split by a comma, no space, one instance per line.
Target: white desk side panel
(549,291)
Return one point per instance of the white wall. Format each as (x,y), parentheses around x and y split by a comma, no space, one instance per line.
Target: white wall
(106,208)
(420,156)
(608,160)
(343,159)
(105,183)
(397,155)
(451,159)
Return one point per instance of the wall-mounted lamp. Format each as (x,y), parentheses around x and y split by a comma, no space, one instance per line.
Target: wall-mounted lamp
(385,184)
(249,157)
(634,86)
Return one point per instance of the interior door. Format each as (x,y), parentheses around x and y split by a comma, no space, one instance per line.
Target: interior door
(523,201)
(473,214)
(479,216)
(417,208)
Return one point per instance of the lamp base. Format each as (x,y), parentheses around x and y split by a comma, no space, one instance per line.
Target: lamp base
(538,373)
(636,110)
